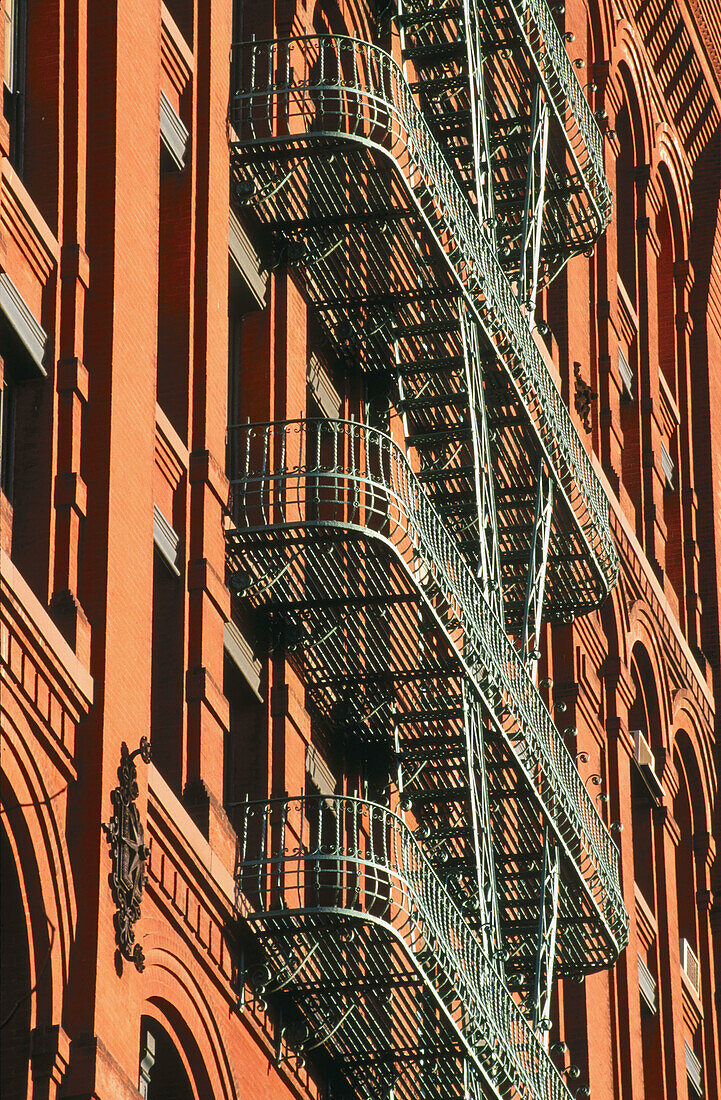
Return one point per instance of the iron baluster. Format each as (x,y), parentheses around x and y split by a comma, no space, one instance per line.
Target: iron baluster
(479,119)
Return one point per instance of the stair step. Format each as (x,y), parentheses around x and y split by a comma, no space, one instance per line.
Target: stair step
(434,401)
(434,52)
(433,366)
(428,477)
(438,436)
(438,84)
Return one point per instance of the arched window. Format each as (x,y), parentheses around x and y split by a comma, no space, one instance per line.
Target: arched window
(686,886)
(690,819)
(668,407)
(626,203)
(15,989)
(628,365)
(645,727)
(644,724)
(162,1075)
(689,814)
(640,805)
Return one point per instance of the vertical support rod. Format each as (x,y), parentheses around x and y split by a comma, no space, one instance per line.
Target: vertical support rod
(532,228)
(537,565)
(479,120)
(489,563)
(489,914)
(546,944)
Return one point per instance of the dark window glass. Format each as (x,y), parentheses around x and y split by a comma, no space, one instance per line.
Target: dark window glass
(14,76)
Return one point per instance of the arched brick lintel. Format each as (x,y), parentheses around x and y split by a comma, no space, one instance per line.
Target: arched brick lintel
(33,808)
(181,1004)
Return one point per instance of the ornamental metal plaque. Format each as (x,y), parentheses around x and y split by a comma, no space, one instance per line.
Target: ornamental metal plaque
(126,839)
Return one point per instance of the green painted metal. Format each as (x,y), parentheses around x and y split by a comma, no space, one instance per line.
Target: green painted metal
(520,48)
(537,566)
(547,932)
(445,42)
(335,533)
(422,237)
(308,115)
(532,222)
(360,932)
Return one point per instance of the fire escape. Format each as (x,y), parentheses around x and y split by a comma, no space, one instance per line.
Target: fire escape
(418,933)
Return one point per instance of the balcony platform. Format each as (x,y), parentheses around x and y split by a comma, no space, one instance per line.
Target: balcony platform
(331,152)
(357,929)
(335,539)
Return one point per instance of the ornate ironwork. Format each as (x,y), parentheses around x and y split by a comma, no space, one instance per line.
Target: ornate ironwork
(583,397)
(359,930)
(129,854)
(319,122)
(305,495)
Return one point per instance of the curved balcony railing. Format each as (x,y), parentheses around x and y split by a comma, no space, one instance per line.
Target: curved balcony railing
(322,92)
(351,476)
(339,864)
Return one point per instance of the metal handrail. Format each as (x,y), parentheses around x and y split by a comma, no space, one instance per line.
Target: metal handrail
(321,89)
(356,860)
(537,26)
(356,476)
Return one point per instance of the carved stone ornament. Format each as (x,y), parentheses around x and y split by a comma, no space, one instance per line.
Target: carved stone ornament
(129,855)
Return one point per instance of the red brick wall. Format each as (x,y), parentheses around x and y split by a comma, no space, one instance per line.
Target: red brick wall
(127,271)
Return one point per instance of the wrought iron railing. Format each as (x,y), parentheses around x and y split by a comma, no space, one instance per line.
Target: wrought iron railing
(518,41)
(348,475)
(337,862)
(537,26)
(320,92)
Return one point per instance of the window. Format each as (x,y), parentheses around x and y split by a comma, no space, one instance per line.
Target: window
(645,787)
(626,372)
(694,1070)
(166,693)
(245,764)
(625,203)
(22,349)
(15,988)
(161,1073)
(14,76)
(7,433)
(648,987)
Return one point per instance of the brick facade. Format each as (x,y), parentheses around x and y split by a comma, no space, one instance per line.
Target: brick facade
(158,329)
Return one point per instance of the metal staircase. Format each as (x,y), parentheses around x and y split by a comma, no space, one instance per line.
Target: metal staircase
(502,98)
(334,155)
(376,958)
(421,210)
